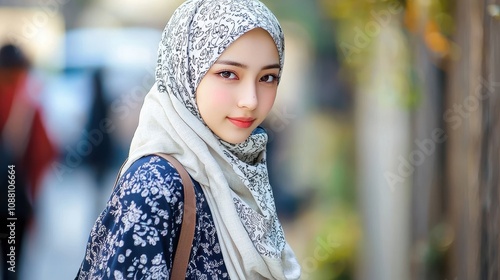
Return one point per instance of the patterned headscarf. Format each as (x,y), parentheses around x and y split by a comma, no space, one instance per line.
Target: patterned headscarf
(234,177)
(198,33)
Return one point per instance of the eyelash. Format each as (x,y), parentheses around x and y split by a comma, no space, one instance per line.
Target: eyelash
(222,73)
(275,78)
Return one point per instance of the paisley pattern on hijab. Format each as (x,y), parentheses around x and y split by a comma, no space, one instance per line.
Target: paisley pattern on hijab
(196,36)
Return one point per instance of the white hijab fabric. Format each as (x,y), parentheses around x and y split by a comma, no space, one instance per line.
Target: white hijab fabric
(234,177)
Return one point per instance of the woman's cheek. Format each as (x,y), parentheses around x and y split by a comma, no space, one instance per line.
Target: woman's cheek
(221,97)
(268,102)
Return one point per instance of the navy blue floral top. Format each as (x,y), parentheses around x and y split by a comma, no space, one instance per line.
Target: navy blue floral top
(136,235)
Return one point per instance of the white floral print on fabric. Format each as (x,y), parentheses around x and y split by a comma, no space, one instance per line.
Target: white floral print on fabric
(135,235)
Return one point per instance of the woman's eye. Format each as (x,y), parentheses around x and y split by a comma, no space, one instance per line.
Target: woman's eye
(269,78)
(227,75)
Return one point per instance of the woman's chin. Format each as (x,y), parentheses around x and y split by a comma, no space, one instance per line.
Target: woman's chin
(235,139)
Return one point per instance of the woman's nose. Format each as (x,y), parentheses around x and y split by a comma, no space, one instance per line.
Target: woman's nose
(248,97)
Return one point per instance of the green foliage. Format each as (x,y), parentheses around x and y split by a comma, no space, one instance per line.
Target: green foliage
(334,252)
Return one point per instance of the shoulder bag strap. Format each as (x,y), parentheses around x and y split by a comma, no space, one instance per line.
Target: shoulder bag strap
(186,236)
(119,172)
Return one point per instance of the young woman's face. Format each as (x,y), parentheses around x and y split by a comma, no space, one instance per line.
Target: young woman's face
(239,90)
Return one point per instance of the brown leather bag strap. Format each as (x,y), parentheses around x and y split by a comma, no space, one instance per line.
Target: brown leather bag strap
(186,235)
(119,173)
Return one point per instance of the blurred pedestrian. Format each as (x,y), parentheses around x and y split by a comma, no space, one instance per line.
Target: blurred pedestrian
(101,156)
(25,153)
(218,71)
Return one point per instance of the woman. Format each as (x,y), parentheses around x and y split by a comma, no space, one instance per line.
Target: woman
(218,70)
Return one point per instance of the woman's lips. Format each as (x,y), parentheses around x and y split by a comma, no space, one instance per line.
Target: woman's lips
(242,122)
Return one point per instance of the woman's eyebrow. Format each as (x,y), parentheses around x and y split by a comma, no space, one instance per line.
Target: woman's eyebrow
(237,64)
(271,66)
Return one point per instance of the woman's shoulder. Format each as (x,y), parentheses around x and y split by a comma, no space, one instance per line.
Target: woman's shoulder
(152,163)
(151,175)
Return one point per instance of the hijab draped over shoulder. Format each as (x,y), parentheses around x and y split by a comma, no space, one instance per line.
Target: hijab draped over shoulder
(234,177)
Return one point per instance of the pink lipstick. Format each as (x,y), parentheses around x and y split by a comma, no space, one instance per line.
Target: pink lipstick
(242,122)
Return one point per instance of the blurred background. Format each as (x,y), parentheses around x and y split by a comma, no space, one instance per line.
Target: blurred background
(384,143)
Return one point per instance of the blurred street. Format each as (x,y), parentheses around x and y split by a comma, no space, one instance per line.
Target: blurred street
(65,213)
